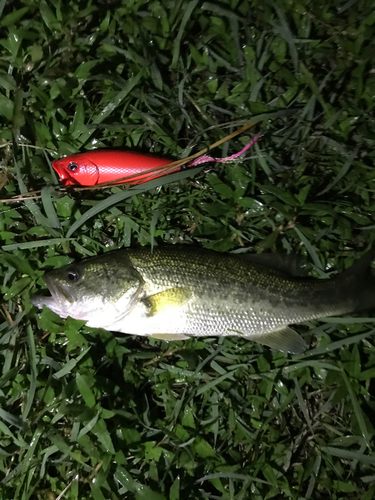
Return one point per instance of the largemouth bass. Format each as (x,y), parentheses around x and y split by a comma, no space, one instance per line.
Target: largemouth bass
(177,292)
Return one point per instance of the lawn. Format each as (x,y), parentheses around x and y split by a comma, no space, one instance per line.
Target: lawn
(91,414)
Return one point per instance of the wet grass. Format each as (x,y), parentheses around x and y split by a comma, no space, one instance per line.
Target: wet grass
(86,413)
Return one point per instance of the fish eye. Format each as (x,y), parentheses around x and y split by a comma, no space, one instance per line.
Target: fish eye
(72,166)
(73,276)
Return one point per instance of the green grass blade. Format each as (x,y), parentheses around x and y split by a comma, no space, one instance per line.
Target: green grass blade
(176,46)
(112,105)
(344,170)
(33,372)
(357,409)
(35,244)
(286,33)
(337,345)
(310,249)
(49,209)
(123,195)
(348,454)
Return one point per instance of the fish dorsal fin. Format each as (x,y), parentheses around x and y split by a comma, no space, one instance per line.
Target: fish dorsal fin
(361,268)
(162,301)
(291,264)
(358,282)
(284,339)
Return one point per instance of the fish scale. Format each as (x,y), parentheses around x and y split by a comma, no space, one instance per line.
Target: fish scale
(183,291)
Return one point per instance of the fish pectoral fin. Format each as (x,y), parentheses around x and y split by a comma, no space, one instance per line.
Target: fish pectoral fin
(169,336)
(284,339)
(162,301)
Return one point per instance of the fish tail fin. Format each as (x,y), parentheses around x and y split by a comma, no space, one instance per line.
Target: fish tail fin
(359,282)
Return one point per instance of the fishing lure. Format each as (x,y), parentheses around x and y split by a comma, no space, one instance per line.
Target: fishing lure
(99,167)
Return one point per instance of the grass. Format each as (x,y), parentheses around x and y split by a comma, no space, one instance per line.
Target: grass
(90,414)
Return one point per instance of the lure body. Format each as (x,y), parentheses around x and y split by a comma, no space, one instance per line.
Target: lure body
(98,167)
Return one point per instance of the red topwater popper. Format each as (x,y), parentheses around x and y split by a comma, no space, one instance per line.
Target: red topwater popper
(98,167)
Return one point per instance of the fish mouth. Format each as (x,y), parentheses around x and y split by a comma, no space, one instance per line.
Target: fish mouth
(59,291)
(60,298)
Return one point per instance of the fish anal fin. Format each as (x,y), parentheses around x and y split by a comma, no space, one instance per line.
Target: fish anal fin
(284,339)
(162,301)
(169,336)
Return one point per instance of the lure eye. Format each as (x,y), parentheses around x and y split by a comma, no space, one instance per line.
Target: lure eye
(72,276)
(72,166)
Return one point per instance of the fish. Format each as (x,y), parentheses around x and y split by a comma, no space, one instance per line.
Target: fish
(176,292)
(98,167)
